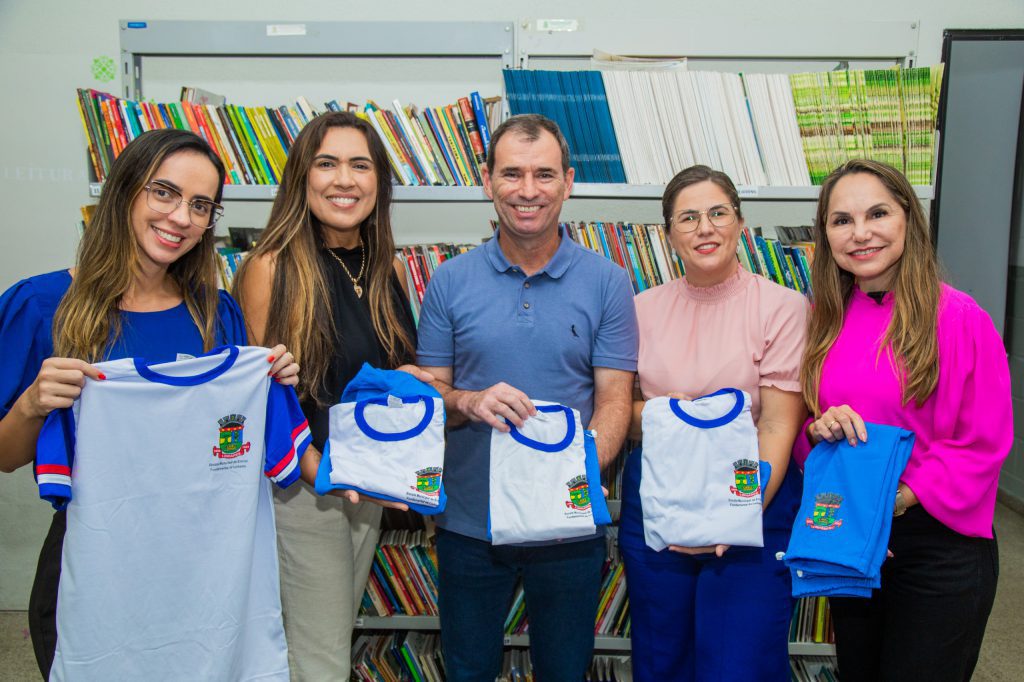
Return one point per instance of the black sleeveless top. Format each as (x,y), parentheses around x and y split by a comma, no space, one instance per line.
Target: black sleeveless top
(357,341)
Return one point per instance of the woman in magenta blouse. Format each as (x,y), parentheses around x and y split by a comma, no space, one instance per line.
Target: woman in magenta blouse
(716,613)
(890,343)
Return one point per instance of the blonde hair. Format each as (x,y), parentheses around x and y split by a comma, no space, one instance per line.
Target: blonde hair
(300,314)
(911,339)
(88,317)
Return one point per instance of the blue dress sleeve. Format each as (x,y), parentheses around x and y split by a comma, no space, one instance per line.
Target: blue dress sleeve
(231,322)
(24,333)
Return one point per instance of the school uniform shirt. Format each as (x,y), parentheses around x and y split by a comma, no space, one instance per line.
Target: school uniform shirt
(743,333)
(387,441)
(963,431)
(26,329)
(841,533)
(701,481)
(545,479)
(169,567)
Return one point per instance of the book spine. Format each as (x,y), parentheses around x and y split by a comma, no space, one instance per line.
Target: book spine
(481,120)
(446,142)
(459,127)
(232,137)
(266,144)
(472,130)
(89,137)
(245,138)
(254,144)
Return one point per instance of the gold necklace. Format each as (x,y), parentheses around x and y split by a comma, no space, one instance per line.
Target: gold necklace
(362,264)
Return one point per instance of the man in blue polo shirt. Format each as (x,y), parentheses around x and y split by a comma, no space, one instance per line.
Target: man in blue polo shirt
(528,315)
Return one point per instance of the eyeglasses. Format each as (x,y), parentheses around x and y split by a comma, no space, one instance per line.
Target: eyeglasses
(201,212)
(718,216)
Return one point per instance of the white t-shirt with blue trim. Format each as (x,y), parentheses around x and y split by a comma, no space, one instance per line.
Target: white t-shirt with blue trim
(545,480)
(169,567)
(701,480)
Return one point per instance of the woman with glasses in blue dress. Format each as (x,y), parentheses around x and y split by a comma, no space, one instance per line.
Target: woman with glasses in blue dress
(145,285)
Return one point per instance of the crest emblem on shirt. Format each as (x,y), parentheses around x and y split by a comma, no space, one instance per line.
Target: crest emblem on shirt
(428,481)
(231,442)
(579,493)
(826,506)
(747,481)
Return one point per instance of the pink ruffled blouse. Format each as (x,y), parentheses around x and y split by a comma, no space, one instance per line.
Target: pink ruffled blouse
(744,333)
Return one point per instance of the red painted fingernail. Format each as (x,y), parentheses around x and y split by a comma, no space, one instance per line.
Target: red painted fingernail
(270,358)
(270,373)
(103,377)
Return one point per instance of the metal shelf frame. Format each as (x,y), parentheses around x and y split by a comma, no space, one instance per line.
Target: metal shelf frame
(411,39)
(601,642)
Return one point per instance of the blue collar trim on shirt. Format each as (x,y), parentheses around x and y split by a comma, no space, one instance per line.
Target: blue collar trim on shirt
(143,368)
(373,433)
(570,431)
(554,268)
(710,423)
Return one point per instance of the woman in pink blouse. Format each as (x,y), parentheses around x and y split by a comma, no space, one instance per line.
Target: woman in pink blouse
(716,613)
(889,343)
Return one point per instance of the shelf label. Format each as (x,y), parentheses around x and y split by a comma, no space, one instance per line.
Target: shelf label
(286,30)
(94,189)
(747,191)
(273,190)
(359,622)
(564,25)
(508,640)
(136,24)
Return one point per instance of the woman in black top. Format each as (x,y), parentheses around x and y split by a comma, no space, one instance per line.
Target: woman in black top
(324,277)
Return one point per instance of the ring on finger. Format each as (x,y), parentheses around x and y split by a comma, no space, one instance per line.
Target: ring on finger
(834,422)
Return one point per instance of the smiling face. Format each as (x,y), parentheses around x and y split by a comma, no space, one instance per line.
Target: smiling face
(341,188)
(708,252)
(163,238)
(866,229)
(527,184)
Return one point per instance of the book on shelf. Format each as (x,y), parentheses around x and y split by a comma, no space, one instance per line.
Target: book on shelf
(442,145)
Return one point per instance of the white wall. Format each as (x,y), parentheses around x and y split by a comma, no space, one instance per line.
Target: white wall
(47,47)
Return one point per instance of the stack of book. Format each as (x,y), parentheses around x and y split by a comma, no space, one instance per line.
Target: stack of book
(398,656)
(812,622)
(434,146)
(760,129)
(786,262)
(668,121)
(813,669)
(420,261)
(577,102)
(883,114)
(403,578)
(641,249)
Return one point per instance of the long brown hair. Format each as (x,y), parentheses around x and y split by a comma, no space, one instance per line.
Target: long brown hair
(911,340)
(300,314)
(88,317)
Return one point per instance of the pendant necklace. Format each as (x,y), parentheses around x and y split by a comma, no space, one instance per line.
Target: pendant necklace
(362,264)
